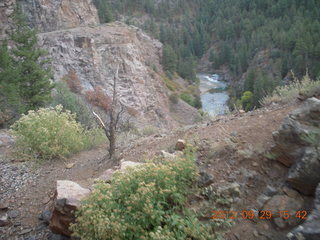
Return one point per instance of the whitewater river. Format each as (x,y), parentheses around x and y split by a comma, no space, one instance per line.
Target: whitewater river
(214,96)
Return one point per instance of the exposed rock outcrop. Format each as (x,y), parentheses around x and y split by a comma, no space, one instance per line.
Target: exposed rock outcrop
(297,146)
(49,15)
(310,230)
(6,21)
(68,197)
(93,54)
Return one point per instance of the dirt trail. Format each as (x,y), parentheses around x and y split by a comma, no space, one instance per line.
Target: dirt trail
(226,135)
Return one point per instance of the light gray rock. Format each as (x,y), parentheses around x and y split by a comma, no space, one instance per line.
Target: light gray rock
(180,145)
(301,129)
(68,199)
(304,174)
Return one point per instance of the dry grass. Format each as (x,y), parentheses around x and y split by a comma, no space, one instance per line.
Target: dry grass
(289,93)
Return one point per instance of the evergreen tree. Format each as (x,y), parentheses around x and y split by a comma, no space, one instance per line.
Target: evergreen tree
(169,59)
(26,83)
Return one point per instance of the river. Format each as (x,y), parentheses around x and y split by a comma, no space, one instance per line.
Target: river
(214,95)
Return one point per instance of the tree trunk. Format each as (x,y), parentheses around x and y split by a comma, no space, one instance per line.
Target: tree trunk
(112,142)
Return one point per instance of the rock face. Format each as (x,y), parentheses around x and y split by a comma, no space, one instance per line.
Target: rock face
(6,22)
(310,230)
(93,54)
(68,197)
(49,15)
(298,146)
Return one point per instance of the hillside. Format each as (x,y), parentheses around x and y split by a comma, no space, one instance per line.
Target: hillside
(115,124)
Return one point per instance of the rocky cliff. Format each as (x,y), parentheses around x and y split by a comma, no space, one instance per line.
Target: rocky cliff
(77,44)
(49,15)
(93,54)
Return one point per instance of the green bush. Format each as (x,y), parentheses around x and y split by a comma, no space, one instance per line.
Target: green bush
(147,202)
(70,101)
(52,133)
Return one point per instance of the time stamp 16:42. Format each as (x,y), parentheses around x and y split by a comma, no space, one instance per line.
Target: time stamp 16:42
(263,215)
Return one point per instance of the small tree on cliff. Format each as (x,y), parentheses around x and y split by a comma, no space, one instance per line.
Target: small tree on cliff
(114,112)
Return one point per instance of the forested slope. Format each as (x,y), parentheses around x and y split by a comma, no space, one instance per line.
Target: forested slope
(235,31)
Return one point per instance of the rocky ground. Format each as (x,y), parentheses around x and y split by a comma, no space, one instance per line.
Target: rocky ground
(231,149)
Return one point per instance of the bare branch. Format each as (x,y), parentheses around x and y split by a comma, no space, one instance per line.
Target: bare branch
(100,120)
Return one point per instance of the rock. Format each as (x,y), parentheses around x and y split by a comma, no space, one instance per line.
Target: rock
(128,164)
(255,233)
(4,220)
(292,137)
(68,197)
(280,222)
(255,164)
(70,165)
(304,174)
(94,53)
(167,155)
(280,203)
(45,216)
(106,175)
(25,231)
(13,214)
(205,179)
(310,229)
(4,206)
(53,236)
(6,140)
(262,199)
(229,190)
(290,192)
(180,145)
(270,191)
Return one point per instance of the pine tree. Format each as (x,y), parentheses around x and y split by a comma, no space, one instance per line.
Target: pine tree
(28,82)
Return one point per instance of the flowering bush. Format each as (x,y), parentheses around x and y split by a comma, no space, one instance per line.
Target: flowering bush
(147,202)
(51,133)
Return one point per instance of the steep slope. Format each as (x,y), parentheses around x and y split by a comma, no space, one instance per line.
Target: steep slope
(93,54)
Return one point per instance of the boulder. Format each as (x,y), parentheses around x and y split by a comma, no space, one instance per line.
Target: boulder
(280,203)
(299,130)
(304,174)
(6,140)
(4,220)
(229,190)
(67,200)
(310,229)
(180,145)
(205,179)
(128,164)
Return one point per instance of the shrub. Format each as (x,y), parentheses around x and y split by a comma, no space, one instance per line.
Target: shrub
(174,98)
(144,203)
(289,93)
(187,98)
(247,100)
(70,101)
(73,82)
(51,133)
(99,98)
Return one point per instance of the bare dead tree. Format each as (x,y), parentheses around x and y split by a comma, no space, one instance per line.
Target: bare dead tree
(114,115)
